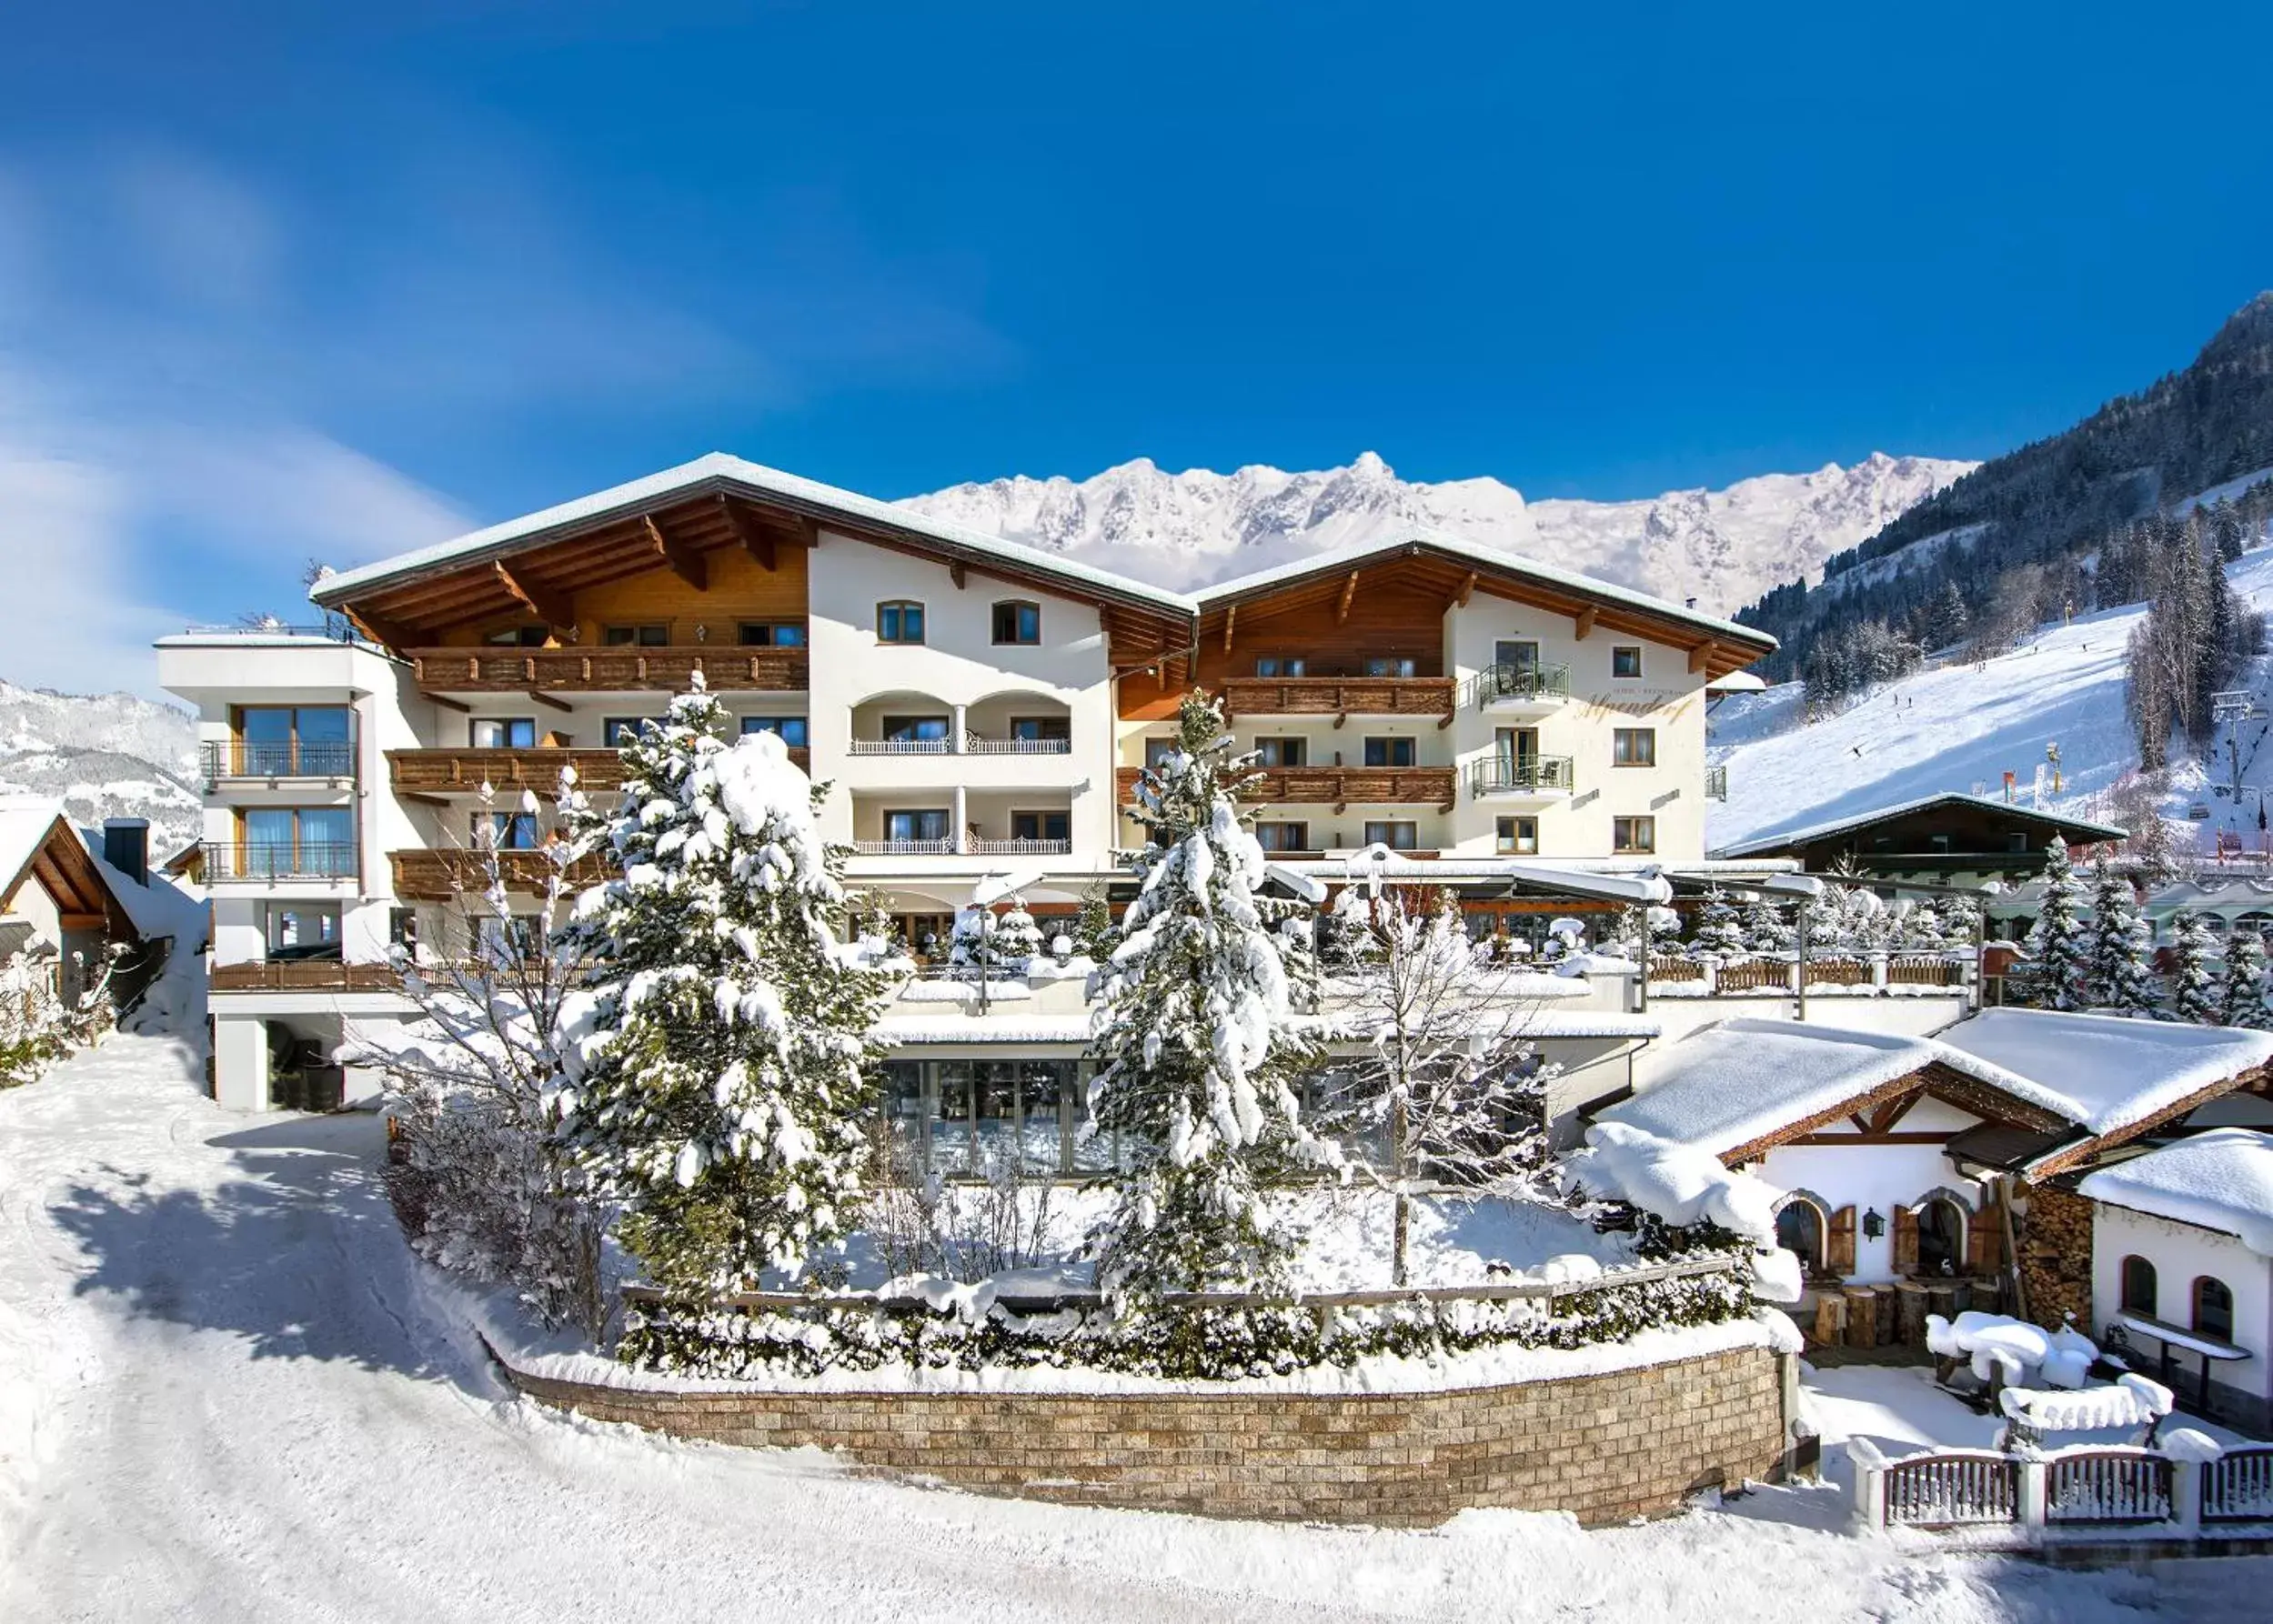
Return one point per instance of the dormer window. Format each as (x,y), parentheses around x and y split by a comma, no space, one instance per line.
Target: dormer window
(898,620)
(1018,622)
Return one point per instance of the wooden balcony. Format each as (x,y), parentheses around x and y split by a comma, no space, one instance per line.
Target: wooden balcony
(303,975)
(1342,698)
(438,875)
(463,772)
(1339,787)
(606,671)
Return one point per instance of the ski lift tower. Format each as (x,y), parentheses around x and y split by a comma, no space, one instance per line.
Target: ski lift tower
(2233,706)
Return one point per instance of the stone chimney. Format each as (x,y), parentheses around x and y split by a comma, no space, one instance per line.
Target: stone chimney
(126,847)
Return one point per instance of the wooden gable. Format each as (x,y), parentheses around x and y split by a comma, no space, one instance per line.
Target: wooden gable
(61,867)
(1874,1117)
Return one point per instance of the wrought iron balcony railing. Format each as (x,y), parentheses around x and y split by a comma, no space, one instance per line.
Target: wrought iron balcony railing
(1518,684)
(1521,775)
(291,758)
(231,860)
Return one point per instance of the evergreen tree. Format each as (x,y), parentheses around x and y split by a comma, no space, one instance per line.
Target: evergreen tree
(2195,993)
(1720,932)
(718,1063)
(1765,930)
(2060,956)
(1196,1036)
(2117,972)
(2241,1001)
(1949,621)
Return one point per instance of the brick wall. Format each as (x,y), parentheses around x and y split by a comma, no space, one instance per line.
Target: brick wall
(1606,1448)
(2056,1257)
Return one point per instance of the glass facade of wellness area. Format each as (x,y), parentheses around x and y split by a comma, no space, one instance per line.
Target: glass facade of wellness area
(971,1119)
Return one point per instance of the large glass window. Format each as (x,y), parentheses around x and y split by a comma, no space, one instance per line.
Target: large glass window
(1516,654)
(1634,746)
(771,634)
(519,637)
(1042,825)
(1391,752)
(2138,1287)
(1280,664)
(504,733)
(309,841)
(1282,837)
(650,635)
(915,730)
(619,731)
(1389,665)
(278,741)
(928,823)
(1282,752)
(792,729)
(509,831)
(1396,835)
(303,930)
(1017,621)
(968,1118)
(1037,729)
(1634,834)
(899,621)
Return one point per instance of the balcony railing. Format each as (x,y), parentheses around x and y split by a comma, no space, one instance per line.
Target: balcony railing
(441,873)
(1496,685)
(904,848)
(972,744)
(1521,775)
(303,975)
(447,771)
(1340,697)
(1020,849)
(294,758)
(1716,783)
(1337,786)
(607,669)
(227,860)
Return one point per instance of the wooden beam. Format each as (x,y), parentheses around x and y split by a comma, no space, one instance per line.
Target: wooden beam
(1467,589)
(1231,619)
(1700,656)
(1349,593)
(688,566)
(544,699)
(958,574)
(557,610)
(384,633)
(459,705)
(1582,623)
(754,539)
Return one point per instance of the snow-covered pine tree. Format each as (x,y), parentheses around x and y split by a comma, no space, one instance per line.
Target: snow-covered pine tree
(996,944)
(1765,930)
(2195,994)
(1196,1037)
(2060,958)
(719,1078)
(1720,931)
(2241,1000)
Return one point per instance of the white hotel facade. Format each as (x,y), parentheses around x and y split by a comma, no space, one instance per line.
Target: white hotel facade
(979,711)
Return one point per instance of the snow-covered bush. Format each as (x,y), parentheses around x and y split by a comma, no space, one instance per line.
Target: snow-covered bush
(718,1066)
(1196,1034)
(991,944)
(922,1225)
(38,1025)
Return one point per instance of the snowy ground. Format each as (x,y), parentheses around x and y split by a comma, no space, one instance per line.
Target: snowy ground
(1958,726)
(228,1396)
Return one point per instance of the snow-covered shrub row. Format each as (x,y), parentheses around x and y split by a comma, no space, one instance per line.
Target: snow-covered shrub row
(1165,1341)
(38,1023)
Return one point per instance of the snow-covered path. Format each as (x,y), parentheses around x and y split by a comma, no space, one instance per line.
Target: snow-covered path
(226,1395)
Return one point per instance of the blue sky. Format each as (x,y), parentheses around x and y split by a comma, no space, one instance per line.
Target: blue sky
(276,280)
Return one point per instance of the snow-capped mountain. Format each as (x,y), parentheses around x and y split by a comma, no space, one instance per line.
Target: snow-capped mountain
(108,755)
(1722,547)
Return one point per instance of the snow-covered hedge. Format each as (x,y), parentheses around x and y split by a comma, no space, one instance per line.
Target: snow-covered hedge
(1172,1342)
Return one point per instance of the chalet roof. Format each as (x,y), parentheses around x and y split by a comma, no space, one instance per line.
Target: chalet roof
(1737,1083)
(2109,1074)
(1484,560)
(2077,828)
(2222,1180)
(37,840)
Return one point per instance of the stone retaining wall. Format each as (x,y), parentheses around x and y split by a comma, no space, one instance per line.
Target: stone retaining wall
(1607,1447)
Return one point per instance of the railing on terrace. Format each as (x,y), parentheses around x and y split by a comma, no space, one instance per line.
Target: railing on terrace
(1340,697)
(1521,775)
(1020,849)
(2122,1489)
(1336,785)
(1547,1293)
(298,758)
(607,669)
(1496,685)
(944,848)
(1952,1489)
(439,873)
(2109,1486)
(303,975)
(972,744)
(1716,783)
(340,633)
(2238,1487)
(227,860)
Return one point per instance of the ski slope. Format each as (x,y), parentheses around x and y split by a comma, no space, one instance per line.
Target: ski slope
(1958,726)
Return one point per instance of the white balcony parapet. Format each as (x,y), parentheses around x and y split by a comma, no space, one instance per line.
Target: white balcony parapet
(904,848)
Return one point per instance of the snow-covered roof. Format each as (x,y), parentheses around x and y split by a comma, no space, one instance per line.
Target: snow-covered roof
(159,908)
(1738,682)
(1839,825)
(1637,883)
(25,820)
(2106,1073)
(2222,1180)
(1482,557)
(977,1031)
(1737,1081)
(720,468)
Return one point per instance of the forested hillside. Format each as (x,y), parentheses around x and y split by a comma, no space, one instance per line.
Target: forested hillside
(2013,543)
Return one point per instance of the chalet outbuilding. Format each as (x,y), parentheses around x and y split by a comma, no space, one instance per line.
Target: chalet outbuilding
(1936,839)
(56,902)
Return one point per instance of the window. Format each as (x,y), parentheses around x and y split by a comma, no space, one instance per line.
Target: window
(1634,834)
(1280,664)
(503,733)
(1017,621)
(771,634)
(519,637)
(1799,1231)
(790,728)
(1282,752)
(278,741)
(1634,746)
(899,621)
(1626,660)
(510,831)
(2138,1287)
(1282,837)
(303,930)
(1397,836)
(515,936)
(914,730)
(402,928)
(1519,836)
(317,841)
(1037,729)
(1158,750)
(1383,665)
(639,637)
(1516,654)
(1389,752)
(928,823)
(619,731)
(2213,1309)
(1042,825)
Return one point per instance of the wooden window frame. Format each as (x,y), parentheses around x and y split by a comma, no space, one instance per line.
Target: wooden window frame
(1392,823)
(1622,739)
(1040,813)
(2122,1285)
(1279,741)
(772,628)
(636,637)
(474,724)
(1509,845)
(744,729)
(2194,1308)
(1301,828)
(1616,650)
(1637,824)
(899,607)
(1289,666)
(946,815)
(1389,741)
(610,725)
(1016,606)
